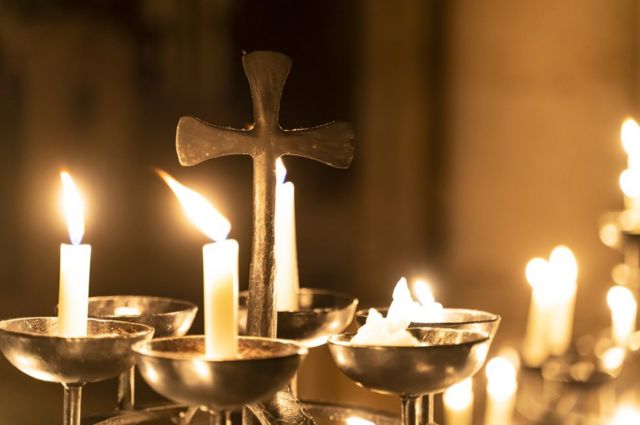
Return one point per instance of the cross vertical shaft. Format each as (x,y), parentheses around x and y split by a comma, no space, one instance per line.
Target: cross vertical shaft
(265,142)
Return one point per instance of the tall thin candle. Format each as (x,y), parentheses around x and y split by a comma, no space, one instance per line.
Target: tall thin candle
(75,259)
(286,279)
(220,272)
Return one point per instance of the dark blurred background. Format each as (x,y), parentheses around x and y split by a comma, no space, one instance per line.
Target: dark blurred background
(487,133)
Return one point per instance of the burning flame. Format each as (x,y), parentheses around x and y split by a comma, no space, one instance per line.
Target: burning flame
(564,263)
(73,207)
(423,292)
(502,377)
(620,298)
(536,271)
(281,171)
(630,135)
(199,210)
(630,182)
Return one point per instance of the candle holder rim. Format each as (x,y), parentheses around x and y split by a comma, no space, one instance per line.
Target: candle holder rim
(339,341)
(351,300)
(141,348)
(491,317)
(138,330)
(187,306)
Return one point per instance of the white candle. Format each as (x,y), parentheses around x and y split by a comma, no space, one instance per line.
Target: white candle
(220,272)
(286,253)
(458,403)
(502,386)
(221,298)
(536,345)
(623,308)
(75,259)
(564,269)
(630,178)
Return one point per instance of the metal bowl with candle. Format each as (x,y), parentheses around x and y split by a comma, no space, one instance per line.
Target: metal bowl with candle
(442,357)
(320,314)
(178,369)
(168,316)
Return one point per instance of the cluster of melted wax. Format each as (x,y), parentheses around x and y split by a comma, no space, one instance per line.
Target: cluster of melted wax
(403,311)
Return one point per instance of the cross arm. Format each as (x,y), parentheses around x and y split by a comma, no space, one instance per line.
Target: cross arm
(197,141)
(331,144)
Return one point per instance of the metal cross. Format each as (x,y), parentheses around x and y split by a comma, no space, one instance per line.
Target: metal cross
(265,142)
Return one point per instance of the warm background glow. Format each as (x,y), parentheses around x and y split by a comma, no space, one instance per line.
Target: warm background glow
(482,141)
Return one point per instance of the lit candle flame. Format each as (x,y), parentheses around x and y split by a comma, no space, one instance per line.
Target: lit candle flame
(536,271)
(423,292)
(620,298)
(630,182)
(73,207)
(281,171)
(199,210)
(502,378)
(630,135)
(564,263)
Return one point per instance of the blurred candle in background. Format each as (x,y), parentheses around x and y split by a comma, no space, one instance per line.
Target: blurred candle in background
(564,278)
(630,178)
(624,309)
(286,252)
(536,347)
(502,386)
(458,403)
(75,259)
(220,272)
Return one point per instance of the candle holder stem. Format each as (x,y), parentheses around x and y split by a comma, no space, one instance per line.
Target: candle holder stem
(411,410)
(126,389)
(72,404)
(431,409)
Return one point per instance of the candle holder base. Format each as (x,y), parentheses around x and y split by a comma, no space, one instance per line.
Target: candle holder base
(170,414)
(321,314)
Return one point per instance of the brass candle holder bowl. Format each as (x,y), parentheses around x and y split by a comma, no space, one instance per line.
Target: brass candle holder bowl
(33,346)
(445,357)
(177,369)
(452,318)
(320,314)
(168,316)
